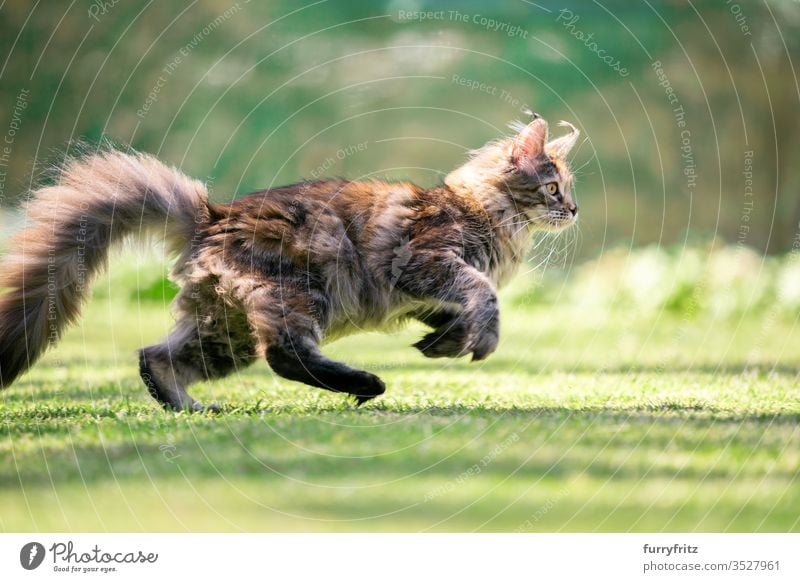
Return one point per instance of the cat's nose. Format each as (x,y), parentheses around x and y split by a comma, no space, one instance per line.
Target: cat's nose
(572,207)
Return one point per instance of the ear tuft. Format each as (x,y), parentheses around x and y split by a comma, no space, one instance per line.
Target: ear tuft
(561,146)
(530,141)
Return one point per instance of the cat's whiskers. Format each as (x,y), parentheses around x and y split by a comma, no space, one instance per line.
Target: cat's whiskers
(522,227)
(577,171)
(552,252)
(510,218)
(580,145)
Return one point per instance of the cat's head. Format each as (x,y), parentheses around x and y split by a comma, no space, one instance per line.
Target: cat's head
(527,171)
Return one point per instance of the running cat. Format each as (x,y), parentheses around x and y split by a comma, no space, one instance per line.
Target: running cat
(277,272)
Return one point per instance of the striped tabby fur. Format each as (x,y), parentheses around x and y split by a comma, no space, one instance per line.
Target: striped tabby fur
(278,272)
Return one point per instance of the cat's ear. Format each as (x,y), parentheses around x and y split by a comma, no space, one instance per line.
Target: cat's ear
(530,141)
(561,146)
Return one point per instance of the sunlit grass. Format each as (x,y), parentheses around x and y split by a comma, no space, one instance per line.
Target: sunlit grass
(584,420)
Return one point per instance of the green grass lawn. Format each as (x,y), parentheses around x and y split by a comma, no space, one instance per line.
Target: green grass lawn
(584,420)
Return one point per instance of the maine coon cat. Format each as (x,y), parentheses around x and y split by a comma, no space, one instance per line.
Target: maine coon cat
(277,272)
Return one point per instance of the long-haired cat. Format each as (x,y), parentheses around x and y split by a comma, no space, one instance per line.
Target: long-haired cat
(279,271)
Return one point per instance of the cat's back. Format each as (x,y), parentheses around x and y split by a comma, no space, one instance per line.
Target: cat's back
(317,221)
(345,198)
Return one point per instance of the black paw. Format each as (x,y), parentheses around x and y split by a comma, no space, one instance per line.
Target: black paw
(450,344)
(362,399)
(372,387)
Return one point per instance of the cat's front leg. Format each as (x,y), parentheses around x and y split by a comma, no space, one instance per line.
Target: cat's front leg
(449,336)
(484,331)
(447,278)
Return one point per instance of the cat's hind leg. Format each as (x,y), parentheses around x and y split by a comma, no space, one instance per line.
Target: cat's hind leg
(197,349)
(296,356)
(288,327)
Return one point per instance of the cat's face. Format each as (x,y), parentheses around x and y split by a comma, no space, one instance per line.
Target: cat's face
(526,170)
(538,179)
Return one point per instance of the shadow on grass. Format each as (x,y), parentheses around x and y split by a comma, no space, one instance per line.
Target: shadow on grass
(499,363)
(144,442)
(85,404)
(666,410)
(510,365)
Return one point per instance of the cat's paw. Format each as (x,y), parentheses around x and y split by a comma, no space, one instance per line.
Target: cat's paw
(483,343)
(450,344)
(371,387)
(211,408)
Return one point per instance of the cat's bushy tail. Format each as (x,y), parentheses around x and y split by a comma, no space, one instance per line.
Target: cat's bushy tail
(97,199)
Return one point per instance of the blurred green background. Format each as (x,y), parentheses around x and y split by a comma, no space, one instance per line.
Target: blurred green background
(647,377)
(252,94)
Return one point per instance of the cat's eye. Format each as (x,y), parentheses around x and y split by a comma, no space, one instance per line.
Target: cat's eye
(552,188)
